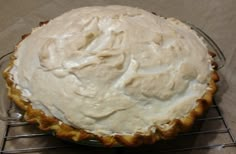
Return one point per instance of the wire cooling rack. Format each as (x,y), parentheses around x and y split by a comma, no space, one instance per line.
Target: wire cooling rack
(210,131)
(212,125)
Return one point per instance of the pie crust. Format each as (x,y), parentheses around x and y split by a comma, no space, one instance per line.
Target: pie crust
(68,132)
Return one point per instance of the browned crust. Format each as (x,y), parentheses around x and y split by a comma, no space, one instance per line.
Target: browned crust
(65,131)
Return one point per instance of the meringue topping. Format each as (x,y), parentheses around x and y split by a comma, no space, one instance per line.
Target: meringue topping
(113,69)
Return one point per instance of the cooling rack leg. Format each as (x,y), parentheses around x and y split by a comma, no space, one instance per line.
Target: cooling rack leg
(3,143)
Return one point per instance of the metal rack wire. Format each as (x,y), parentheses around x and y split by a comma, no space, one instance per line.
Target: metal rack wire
(28,135)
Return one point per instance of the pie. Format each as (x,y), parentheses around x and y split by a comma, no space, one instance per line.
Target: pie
(117,74)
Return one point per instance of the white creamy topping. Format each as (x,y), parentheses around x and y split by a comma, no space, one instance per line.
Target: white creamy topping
(112,70)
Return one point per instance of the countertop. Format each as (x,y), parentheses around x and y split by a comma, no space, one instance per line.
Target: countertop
(215,17)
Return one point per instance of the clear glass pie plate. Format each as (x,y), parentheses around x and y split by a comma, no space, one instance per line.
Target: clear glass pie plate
(9,112)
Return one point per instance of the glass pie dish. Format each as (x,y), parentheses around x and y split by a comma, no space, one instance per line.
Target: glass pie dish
(9,112)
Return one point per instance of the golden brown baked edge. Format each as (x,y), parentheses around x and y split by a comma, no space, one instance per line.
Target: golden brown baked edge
(61,130)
